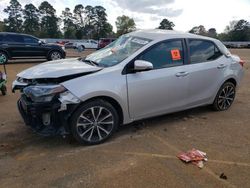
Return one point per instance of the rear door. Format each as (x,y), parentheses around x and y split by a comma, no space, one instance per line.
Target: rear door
(13,44)
(205,70)
(162,89)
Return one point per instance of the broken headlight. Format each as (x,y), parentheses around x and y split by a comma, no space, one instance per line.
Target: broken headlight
(43,93)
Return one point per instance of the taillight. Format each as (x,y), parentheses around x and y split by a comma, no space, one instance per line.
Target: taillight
(241,62)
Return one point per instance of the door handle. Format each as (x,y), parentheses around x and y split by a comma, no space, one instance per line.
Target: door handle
(27,45)
(181,74)
(221,66)
(5,44)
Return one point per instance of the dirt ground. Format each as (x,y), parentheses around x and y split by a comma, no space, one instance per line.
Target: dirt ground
(139,155)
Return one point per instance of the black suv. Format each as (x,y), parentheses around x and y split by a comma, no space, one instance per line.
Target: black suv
(15,45)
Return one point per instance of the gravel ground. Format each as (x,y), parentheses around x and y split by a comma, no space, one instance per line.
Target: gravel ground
(139,155)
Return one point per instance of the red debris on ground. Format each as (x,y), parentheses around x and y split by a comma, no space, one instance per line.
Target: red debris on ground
(195,156)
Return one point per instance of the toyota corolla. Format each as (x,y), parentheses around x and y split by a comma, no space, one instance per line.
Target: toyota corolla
(142,74)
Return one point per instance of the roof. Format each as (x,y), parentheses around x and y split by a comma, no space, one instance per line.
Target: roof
(13,33)
(160,34)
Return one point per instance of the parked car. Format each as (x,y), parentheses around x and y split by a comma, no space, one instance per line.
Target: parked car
(143,74)
(16,45)
(104,42)
(69,45)
(90,44)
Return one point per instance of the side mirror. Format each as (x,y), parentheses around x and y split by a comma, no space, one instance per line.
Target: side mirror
(141,65)
(40,42)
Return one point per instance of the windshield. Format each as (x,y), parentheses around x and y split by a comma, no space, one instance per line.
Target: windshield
(117,51)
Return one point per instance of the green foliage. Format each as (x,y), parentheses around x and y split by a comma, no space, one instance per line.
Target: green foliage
(69,26)
(78,13)
(166,24)
(14,21)
(49,21)
(241,31)
(124,25)
(1,26)
(199,30)
(31,19)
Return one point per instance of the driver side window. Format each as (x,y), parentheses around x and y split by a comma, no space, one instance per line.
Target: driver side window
(165,54)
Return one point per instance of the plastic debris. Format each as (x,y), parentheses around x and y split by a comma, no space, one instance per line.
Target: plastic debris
(194,156)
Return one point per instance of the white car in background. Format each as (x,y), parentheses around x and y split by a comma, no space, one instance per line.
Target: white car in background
(90,44)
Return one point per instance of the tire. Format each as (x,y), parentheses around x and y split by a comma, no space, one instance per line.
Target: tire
(225,97)
(4,56)
(4,90)
(55,55)
(94,129)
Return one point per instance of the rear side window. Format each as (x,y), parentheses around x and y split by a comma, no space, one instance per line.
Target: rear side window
(165,54)
(13,38)
(203,51)
(30,40)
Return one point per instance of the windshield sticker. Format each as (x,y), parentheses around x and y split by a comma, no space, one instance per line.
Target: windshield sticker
(140,41)
(176,55)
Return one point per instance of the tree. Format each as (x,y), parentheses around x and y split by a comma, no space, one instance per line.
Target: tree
(69,26)
(237,31)
(124,25)
(101,26)
(89,21)
(199,30)
(14,21)
(31,19)
(49,21)
(212,33)
(241,31)
(166,24)
(1,26)
(79,11)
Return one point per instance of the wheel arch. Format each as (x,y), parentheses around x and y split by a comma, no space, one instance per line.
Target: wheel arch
(6,52)
(232,80)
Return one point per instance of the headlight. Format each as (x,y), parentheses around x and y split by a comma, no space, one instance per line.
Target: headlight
(43,93)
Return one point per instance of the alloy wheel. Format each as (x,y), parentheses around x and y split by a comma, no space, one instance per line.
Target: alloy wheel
(55,55)
(95,124)
(226,97)
(3,57)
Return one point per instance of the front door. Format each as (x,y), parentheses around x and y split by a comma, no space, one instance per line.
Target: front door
(162,89)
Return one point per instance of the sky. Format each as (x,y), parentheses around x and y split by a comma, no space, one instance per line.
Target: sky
(148,13)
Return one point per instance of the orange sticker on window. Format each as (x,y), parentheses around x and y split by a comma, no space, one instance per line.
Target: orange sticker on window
(176,55)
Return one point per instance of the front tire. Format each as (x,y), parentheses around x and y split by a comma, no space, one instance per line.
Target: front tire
(225,97)
(94,122)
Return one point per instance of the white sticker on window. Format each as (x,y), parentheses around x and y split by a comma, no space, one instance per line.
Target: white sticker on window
(140,41)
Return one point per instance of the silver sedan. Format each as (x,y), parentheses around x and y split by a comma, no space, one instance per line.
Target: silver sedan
(140,75)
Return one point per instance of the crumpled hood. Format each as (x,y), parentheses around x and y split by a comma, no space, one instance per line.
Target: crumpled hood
(58,68)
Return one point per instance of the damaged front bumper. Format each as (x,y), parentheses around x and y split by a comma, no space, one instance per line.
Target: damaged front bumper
(48,118)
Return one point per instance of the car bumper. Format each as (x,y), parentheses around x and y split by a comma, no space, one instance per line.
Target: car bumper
(45,118)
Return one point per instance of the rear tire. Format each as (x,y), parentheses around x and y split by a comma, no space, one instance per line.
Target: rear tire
(225,97)
(94,122)
(4,56)
(55,55)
